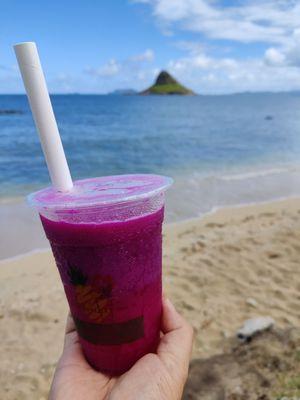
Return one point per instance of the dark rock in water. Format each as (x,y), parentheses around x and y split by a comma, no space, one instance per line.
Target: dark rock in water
(165,84)
(268,117)
(10,112)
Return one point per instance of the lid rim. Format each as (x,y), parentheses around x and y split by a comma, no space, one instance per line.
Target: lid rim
(165,184)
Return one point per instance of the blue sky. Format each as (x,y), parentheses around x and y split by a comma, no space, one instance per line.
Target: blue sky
(211,46)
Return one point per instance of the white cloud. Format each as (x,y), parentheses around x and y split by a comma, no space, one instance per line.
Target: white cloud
(191,47)
(62,83)
(111,68)
(288,54)
(147,55)
(10,79)
(114,67)
(135,72)
(274,57)
(211,75)
(252,21)
(275,23)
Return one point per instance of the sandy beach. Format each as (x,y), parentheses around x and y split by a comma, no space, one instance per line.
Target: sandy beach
(219,271)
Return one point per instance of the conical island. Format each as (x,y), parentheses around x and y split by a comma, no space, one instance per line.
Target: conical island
(166,84)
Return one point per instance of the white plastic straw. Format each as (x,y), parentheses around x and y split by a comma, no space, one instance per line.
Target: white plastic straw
(38,96)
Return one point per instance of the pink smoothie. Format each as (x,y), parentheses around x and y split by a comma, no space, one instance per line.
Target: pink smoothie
(111,271)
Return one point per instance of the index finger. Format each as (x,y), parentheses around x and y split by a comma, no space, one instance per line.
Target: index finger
(176,344)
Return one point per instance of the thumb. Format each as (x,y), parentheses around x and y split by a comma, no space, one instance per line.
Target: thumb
(72,352)
(176,345)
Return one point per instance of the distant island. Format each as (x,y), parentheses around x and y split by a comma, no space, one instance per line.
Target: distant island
(165,84)
(124,92)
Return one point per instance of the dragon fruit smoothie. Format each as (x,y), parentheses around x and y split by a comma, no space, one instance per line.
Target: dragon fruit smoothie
(109,258)
(105,234)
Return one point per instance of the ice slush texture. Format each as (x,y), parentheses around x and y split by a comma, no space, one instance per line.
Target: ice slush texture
(111,272)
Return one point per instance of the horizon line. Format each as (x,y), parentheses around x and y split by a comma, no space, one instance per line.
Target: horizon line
(154,95)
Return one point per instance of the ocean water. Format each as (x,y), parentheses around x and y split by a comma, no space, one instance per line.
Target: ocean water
(221,150)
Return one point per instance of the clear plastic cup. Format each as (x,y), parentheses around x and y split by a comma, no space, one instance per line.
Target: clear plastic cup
(106,238)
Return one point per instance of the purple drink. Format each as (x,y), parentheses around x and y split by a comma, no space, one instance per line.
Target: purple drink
(106,239)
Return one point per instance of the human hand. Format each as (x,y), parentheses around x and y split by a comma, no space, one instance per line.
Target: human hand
(159,376)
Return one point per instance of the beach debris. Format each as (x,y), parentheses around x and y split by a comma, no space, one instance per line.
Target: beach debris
(251,302)
(254,326)
(225,334)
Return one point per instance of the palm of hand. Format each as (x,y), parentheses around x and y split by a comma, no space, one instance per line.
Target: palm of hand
(159,376)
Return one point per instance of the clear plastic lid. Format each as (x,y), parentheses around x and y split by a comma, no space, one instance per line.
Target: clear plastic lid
(104,190)
(119,196)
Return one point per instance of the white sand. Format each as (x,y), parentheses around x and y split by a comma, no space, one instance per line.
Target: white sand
(230,266)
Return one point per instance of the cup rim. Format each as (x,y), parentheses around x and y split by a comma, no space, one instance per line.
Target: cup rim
(154,185)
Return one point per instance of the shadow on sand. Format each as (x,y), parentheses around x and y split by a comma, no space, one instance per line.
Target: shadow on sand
(267,368)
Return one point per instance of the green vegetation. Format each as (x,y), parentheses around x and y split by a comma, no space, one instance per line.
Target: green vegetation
(297,355)
(165,84)
(290,388)
(169,89)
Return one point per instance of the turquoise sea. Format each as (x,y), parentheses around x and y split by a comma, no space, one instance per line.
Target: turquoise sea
(221,150)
